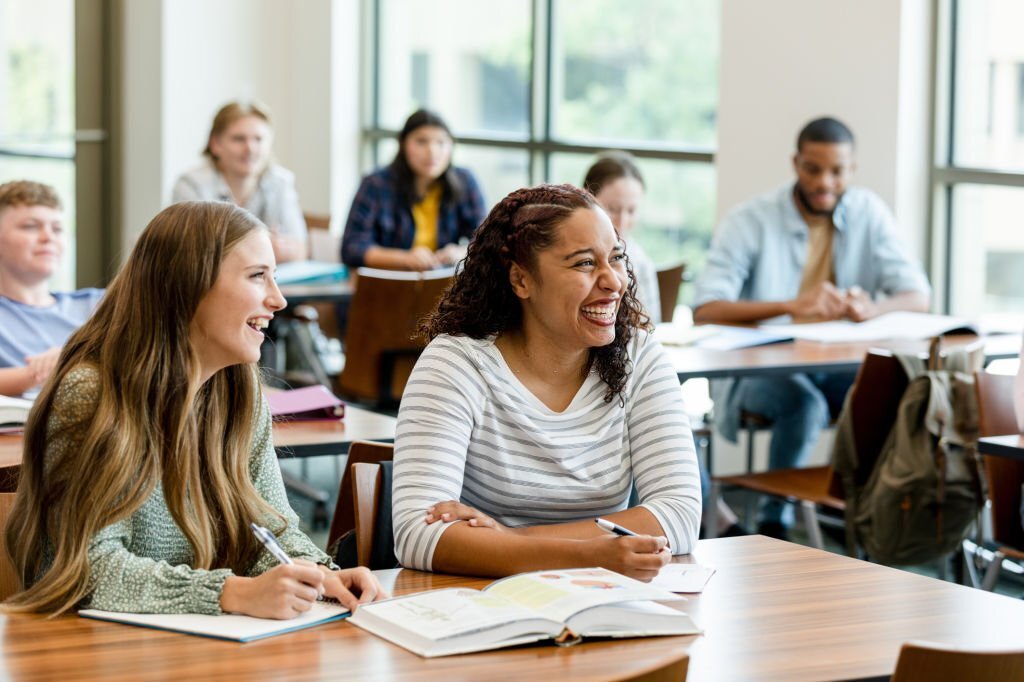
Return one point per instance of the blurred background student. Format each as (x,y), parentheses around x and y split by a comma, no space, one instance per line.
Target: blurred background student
(418,212)
(616,183)
(238,169)
(34,322)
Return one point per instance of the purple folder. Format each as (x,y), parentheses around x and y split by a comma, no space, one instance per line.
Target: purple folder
(312,402)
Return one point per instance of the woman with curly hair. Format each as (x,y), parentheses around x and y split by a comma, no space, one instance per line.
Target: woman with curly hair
(539,403)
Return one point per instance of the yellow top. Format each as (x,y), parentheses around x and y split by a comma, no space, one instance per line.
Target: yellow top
(818,267)
(425,214)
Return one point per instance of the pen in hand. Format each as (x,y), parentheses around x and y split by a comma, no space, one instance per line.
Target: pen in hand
(611,527)
(270,542)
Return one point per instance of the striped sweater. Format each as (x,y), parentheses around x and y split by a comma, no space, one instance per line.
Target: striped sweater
(469,430)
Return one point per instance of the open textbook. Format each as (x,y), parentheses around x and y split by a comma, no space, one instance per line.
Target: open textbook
(564,605)
(229,626)
(13,413)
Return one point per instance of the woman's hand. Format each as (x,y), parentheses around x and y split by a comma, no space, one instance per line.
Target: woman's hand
(420,258)
(283,592)
(640,556)
(456,511)
(352,586)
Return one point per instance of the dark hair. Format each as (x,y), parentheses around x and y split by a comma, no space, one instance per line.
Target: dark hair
(609,167)
(453,188)
(480,302)
(826,129)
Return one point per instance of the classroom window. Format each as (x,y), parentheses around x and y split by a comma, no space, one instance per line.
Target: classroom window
(533,88)
(980,163)
(37,117)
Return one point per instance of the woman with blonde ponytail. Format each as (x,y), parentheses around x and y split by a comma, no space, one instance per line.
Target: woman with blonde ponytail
(149,450)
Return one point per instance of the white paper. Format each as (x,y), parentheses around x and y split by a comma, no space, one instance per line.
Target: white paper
(228,626)
(689,578)
(896,325)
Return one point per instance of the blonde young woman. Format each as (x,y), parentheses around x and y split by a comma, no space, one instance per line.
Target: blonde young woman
(238,169)
(149,451)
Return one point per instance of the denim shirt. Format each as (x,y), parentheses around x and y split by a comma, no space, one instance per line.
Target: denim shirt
(760,250)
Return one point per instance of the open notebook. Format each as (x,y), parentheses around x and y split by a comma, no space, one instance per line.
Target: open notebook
(230,627)
(563,605)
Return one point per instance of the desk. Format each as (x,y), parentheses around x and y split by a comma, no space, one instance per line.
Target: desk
(773,611)
(691,362)
(329,292)
(318,438)
(1011,446)
(291,439)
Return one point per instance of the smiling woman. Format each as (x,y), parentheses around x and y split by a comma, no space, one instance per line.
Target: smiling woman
(539,404)
(149,453)
(238,169)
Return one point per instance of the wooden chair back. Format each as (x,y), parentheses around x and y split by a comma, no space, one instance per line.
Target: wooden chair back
(381,341)
(366,479)
(317,221)
(345,510)
(996,417)
(669,280)
(938,663)
(873,399)
(8,576)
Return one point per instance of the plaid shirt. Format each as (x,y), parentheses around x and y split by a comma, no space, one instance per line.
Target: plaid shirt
(380,217)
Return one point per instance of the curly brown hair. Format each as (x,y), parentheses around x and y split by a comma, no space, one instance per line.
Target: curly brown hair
(480,301)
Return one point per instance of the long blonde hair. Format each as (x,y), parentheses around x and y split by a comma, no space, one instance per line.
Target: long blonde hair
(154,420)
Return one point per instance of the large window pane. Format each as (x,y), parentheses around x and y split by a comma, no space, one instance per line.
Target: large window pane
(677,215)
(37,106)
(467,59)
(637,72)
(988,110)
(988,250)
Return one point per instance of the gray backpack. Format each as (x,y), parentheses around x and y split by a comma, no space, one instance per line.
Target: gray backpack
(926,487)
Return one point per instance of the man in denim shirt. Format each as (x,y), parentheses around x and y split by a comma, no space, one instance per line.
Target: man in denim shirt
(812,250)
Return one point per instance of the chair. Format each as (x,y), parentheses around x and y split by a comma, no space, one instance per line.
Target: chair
(873,400)
(345,509)
(669,280)
(375,540)
(939,663)
(1005,476)
(381,342)
(8,576)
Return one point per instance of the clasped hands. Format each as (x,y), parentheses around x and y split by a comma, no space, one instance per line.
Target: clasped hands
(826,302)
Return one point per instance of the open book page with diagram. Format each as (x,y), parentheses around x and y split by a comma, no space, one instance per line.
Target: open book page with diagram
(562,604)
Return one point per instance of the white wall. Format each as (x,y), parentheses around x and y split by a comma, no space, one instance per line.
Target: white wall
(185,58)
(786,62)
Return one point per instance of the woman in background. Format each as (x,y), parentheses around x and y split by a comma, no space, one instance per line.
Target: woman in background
(616,183)
(34,322)
(417,213)
(149,453)
(238,169)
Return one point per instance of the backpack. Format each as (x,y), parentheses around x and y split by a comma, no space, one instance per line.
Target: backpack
(927,485)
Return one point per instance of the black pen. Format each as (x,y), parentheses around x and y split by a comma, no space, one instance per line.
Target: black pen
(614,528)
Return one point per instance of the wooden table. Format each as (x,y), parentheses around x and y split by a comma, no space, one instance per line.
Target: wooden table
(692,362)
(330,292)
(291,439)
(1011,446)
(319,438)
(773,611)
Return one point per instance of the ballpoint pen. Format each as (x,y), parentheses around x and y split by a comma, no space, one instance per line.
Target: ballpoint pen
(614,527)
(270,542)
